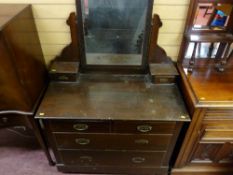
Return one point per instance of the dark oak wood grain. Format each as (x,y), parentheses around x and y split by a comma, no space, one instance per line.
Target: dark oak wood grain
(113,98)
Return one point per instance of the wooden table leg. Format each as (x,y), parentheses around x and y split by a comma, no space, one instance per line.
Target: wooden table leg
(39,135)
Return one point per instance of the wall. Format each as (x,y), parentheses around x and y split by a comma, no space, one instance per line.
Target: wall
(50,17)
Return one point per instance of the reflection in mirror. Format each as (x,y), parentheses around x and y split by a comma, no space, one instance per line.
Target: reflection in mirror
(204,50)
(212,16)
(114,31)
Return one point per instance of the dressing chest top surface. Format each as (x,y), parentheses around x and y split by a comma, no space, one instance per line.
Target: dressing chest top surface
(119,98)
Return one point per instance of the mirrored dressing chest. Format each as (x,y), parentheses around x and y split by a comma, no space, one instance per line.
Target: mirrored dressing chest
(113,105)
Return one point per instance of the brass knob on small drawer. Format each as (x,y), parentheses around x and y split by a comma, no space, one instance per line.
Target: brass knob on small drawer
(141,141)
(86,159)
(138,159)
(63,77)
(144,128)
(80,127)
(4,119)
(82,141)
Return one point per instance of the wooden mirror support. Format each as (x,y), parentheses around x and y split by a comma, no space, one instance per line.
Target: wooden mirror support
(161,67)
(67,66)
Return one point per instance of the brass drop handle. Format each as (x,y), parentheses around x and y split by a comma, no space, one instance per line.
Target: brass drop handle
(63,77)
(82,141)
(80,127)
(144,128)
(141,141)
(138,159)
(4,119)
(86,159)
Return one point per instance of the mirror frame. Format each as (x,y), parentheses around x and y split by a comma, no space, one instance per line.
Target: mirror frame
(128,68)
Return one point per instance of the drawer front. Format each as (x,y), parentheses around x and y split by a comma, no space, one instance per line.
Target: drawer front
(163,79)
(113,170)
(63,77)
(113,141)
(221,125)
(112,158)
(143,127)
(79,126)
(217,126)
(7,121)
(217,136)
(219,114)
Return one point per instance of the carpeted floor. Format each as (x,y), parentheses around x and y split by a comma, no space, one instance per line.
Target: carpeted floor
(20,154)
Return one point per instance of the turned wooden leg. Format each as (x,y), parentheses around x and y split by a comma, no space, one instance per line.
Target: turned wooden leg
(192,61)
(211,48)
(223,61)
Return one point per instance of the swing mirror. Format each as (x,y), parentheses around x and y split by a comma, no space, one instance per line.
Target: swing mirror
(114,32)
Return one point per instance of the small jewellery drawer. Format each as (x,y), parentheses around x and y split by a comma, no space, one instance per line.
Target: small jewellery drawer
(113,141)
(143,127)
(112,158)
(14,120)
(79,126)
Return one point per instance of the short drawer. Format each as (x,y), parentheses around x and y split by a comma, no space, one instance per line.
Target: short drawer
(219,114)
(217,131)
(112,158)
(143,127)
(13,120)
(113,141)
(79,126)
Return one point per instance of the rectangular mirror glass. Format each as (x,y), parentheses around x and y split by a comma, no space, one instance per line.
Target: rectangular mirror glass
(114,31)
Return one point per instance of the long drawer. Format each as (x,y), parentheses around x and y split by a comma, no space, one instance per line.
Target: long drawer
(112,158)
(113,141)
(113,170)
